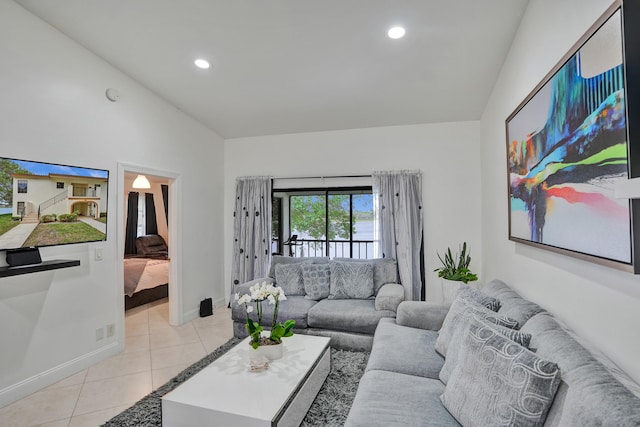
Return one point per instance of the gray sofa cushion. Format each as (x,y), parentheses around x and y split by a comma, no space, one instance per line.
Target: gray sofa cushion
(405,350)
(316,280)
(389,297)
(459,335)
(421,314)
(351,315)
(592,396)
(289,278)
(512,304)
(385,270)
(455,318)
(390,399)
(350,280)
(480,297)
(498,382)
(294,307)
(279,259)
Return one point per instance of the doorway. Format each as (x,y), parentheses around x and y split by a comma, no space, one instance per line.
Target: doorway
(173,212)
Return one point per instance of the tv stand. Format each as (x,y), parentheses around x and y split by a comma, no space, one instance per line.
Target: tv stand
(55,264)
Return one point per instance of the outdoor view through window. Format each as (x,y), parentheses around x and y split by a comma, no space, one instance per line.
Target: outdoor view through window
(327,223)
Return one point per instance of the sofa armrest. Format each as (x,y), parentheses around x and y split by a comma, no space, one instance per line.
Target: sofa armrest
(243,288)
(389,297)
(421,314)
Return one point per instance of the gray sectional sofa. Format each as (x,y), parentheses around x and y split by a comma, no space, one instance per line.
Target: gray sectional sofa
(491,380)
(342,299)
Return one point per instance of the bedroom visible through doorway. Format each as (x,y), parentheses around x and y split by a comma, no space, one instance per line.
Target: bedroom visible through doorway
(149,257)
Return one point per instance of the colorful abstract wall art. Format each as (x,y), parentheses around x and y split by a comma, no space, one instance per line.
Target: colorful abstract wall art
(567,148)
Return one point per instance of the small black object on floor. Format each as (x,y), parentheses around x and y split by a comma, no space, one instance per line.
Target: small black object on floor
(206,307)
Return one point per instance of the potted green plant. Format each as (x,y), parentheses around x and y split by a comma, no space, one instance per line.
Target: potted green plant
(455,269)
(269,345)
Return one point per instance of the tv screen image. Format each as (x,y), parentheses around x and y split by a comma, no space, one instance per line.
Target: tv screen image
(46,204)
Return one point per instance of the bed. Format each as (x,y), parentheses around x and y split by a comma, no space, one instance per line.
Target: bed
(146,275)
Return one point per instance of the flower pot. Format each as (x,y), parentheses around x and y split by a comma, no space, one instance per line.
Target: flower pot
(449,290)
(271,352)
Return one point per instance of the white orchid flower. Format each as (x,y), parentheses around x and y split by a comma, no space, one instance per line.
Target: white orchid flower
(271,299)
(237,296)
(244,299)
(249,308)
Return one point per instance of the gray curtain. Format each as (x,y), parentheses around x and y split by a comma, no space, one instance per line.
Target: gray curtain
(251,229)
(398,198)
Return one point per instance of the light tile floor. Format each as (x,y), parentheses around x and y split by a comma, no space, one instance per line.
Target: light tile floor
(154,353)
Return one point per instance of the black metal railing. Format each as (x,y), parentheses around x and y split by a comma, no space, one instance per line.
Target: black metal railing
(359,249)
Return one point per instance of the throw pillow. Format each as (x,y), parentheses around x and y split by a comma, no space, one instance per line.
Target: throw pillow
(480,297)
(317,280)
(455,317)
(350,280)
(289,278)
(451,361)
(280,259)
(497,382)
(385,270)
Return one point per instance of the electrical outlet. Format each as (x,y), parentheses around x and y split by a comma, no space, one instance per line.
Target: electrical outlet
(99,334)
(111,330)
(98,254)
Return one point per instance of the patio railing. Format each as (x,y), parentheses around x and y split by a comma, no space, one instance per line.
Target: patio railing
(359,249)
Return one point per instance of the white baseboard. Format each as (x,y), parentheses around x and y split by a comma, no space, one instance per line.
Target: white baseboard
(51,376)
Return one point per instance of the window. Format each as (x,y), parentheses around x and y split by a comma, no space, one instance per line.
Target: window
(60,185)
(142,223)
(22,186)
(330,222)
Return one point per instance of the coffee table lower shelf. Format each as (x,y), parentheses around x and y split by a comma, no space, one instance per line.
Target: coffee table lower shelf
(225,393)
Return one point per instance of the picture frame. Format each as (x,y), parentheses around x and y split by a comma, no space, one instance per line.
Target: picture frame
(568,145)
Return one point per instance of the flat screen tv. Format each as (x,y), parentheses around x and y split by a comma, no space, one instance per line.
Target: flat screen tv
(45,204)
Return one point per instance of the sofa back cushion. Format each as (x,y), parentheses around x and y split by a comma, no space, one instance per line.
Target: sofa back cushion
(289,278)
(385,270)
(512,305)
(350,280)
(317,280)
(590,394)
(279,259)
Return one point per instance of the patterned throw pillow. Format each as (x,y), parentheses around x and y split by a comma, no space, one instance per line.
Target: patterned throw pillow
(289,278)
(385,270)
(450,362)
(480,297)
(455,318)
(497,382)
(280,259)
(317,280)
(350,280)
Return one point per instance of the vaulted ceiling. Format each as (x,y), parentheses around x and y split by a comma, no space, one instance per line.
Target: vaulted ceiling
(286,66)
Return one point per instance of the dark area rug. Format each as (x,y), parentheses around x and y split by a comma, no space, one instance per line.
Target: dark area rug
(330,408)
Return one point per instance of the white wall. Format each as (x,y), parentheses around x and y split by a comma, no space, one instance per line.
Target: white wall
(600,303)
(53,109)
(448,154)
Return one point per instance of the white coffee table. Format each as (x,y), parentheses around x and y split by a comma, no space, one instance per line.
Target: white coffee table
(226,393)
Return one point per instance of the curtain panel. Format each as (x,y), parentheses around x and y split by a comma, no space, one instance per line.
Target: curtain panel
(251,229)
(132,224)
(398,225)
(151,223)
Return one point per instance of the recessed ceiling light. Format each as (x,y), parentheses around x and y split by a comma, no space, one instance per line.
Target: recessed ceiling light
(202,63)
(396,32)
